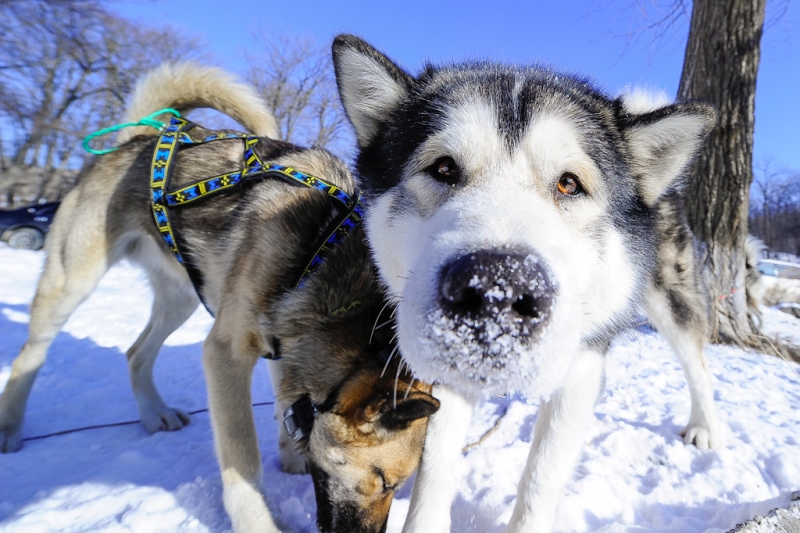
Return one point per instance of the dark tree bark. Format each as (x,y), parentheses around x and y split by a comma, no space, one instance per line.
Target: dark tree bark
(720,67)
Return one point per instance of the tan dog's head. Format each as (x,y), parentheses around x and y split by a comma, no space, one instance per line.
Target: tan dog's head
(337,344)
(366,447)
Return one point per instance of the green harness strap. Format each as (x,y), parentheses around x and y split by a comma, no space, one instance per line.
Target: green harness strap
(149,120)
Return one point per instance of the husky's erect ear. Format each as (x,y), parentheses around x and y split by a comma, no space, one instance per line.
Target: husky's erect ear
(370,85)
(663,142)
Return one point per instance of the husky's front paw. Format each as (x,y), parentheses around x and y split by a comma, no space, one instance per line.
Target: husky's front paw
(164,419)
(703,435)
(10,439)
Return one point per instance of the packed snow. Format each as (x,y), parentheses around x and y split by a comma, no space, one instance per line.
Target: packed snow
(635,474)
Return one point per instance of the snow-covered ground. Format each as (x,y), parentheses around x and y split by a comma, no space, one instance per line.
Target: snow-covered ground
(635,474)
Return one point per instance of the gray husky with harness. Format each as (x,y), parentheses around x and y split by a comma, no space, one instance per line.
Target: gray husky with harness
(277,256)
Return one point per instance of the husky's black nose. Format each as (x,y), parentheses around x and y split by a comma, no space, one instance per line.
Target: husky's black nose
(493,285)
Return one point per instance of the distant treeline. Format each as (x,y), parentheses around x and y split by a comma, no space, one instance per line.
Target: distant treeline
(68,66)
(775,208)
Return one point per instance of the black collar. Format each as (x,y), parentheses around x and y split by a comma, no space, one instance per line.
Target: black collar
(299,418)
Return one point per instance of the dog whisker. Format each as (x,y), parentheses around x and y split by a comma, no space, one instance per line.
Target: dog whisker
(408,390)
(396,381)
(376,321)
(387,322)
(388,359)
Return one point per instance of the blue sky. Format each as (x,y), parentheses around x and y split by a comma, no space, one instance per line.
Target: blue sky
(604,39)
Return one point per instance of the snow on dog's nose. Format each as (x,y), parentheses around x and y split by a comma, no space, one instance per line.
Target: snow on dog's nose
(496,285)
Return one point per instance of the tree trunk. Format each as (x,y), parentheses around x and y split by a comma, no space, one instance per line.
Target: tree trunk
(720,67)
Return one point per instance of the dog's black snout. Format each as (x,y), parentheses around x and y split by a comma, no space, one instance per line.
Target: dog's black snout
(495,284)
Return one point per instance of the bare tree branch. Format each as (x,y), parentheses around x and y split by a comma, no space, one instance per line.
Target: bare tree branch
(66,67)
(295,77)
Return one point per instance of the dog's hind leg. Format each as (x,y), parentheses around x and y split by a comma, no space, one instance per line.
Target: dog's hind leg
(558,438)
(674,310)
(76,261)
(292,461)
(174,301)
(678,306)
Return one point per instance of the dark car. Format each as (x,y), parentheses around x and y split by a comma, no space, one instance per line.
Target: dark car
(26,227)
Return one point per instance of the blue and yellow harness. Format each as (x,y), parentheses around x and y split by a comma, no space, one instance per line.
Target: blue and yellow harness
(162,199)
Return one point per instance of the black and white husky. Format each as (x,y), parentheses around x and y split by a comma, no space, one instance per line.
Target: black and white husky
(520,218)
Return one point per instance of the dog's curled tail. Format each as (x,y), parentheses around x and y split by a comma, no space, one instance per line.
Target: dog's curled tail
(754,250)
(186,86)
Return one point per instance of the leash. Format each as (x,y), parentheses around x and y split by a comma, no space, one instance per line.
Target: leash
(116,424)
(149,120)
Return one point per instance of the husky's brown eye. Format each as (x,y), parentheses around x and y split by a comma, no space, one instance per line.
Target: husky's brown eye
(445,170)
(568,184)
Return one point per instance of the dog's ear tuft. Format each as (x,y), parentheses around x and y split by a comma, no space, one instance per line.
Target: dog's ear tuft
(416,406)
(371,86)
(663,143)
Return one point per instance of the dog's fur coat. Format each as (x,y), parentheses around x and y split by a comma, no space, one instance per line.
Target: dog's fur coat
(520,217)
(249,245)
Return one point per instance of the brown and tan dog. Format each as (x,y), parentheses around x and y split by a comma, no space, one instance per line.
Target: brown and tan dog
(246,246)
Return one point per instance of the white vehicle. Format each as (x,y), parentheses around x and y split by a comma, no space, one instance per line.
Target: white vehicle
(779,269)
